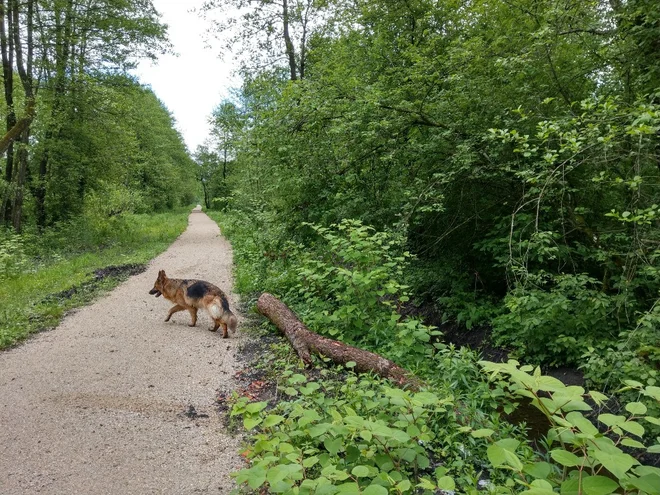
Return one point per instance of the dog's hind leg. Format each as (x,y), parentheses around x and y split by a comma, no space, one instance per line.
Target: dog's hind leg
(175,309)
(215,326)
(225,334)
(193,315)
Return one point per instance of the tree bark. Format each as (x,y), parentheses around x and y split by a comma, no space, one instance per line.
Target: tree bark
(7,47)
(305,342)
(290,50)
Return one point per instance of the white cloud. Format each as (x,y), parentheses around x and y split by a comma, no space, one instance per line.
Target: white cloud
(194,82)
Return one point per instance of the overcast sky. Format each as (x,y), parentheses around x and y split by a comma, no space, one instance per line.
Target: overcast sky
(194,82)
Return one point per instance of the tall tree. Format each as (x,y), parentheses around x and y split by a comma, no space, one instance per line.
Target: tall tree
(270,31)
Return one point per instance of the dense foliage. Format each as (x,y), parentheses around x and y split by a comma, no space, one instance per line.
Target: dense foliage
(492,162)
(511,147)
(330,431)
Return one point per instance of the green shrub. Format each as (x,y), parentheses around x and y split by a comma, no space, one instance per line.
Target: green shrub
(556,325)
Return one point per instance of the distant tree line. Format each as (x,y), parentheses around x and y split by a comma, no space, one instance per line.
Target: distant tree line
(79,132)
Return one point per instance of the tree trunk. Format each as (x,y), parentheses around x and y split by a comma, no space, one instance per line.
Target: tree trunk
(305,342)
(7,47)
(290,50)
(22,156)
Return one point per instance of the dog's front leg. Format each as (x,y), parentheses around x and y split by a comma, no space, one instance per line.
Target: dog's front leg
(175,309)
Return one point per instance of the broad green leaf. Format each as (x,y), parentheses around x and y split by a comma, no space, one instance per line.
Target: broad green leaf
(636,408)
(539,487)
(570,486)
(272,420)
(598,398)
(249,423)
(484,432)
(633,427)
(375,490)
(360,471)
(255,407)
(611,419)
(333,445)
(499,456)
(617,464)
(566,458)
(652,420)
(582,423)
(629,442)
(598,485)
(446,483)
(649,483)
(426,484)
(349,488)
(308,462)
(539,470)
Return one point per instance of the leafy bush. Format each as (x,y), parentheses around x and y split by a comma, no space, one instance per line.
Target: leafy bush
(13,259)
(581,455)
(556,325)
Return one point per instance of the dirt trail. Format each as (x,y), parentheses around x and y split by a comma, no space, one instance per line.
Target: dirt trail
(97,405)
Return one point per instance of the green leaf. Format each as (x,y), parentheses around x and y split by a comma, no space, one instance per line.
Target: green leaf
(308,462)
(582,423)
(636,408)
(366,434)
(598,485)
(629,442)
(272,420)
(652,420)
(633,427)
(255,407)
(249,423)
(375,490)
(617,463)
(539,487)
(360,471)
(611,419)
(499,456)
(404,486)
(649,483)
(566,458)
(484,432)
(598,398)
(538,470)
(349,488)
(333,446)
(570,486)
(446,483)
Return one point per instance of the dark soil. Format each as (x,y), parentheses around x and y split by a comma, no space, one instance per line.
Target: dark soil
(479,339)
(89,287)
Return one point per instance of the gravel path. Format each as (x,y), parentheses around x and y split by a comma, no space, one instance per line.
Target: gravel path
(96,406)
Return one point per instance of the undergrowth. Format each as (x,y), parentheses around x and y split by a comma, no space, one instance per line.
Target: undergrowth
(333,431)
(43,276)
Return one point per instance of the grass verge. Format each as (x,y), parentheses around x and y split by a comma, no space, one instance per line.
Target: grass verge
(37,298)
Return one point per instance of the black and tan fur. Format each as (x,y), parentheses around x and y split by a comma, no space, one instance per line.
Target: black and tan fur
(193,295)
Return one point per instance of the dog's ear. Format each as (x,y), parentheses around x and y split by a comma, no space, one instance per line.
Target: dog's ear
(161,274)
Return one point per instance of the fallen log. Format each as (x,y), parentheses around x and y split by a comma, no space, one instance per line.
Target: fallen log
(305,342)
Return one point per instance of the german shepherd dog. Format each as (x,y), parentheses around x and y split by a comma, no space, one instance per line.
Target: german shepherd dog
(193,295)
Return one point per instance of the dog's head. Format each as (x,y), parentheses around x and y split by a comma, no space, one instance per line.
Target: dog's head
(159,284)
